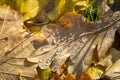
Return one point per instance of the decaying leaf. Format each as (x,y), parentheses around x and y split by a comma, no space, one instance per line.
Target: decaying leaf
(62,73)
(12,29)
(112,57)
(55,77)
(59,61)
(70,77)
(58,75)
(114,71)
(77,43)
(111,62)
(95,57)
(94,73)
(69,20)
(8,29)
(85,76)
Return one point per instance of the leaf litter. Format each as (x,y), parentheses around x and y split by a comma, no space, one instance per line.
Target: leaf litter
(73,40)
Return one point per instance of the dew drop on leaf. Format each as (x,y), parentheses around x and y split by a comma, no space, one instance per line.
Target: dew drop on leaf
(45,49)
(40,60)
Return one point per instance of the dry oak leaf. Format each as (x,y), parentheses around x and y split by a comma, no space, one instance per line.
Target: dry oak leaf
(15,47)
(69,20)
(60,44)
(78,43)
(111,62)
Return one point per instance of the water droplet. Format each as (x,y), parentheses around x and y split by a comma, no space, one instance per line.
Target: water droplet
(40,60)
(70,34)
(62,39)
(54,41)
(22,24)
(60,49)
(84,39)
(48,61)
(81,45)
(46,64)
(46,49)
(75,47)
(57,53)
(57,32)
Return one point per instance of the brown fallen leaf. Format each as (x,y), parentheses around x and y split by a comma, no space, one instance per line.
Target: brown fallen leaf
(77,43)
(57,75)
(62,73)
(69,20)
(8,29)
(70,77)
(114,71)
(81,62)
(13,35)
(95,57)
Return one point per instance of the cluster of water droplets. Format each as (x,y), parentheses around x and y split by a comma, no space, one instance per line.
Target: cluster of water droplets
(61,43)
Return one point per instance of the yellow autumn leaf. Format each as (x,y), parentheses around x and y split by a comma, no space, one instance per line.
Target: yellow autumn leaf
(59,6)
(110,1)
(64,6)
(35,29)
(81,6)
(69,6)
(44,74)
(94,73)
(29,8)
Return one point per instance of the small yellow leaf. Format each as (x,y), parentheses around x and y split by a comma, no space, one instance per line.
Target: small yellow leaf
(44,74)
(58,9)
(81,6)
(29,8)
(35,29)
(95,73)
